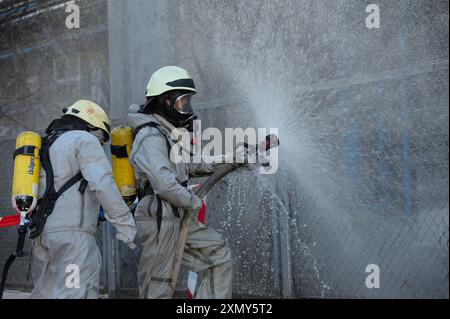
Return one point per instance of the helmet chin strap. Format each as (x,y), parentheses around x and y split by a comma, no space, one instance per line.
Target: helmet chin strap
(189,123)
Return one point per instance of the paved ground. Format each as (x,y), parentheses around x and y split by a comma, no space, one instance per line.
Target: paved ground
(9,294)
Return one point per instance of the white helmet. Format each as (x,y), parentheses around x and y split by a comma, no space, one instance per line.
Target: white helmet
(170,78)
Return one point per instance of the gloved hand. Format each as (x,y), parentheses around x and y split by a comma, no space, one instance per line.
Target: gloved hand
(264,159)
(239,156)
(196,202)
(125,240)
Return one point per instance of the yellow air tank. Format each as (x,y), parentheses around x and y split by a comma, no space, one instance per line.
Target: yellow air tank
(121,141)
(26,172)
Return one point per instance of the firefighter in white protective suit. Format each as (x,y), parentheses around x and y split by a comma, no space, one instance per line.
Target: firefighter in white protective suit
(75,180)
(166,197)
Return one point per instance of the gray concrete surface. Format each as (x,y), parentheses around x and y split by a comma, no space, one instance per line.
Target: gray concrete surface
(11,294)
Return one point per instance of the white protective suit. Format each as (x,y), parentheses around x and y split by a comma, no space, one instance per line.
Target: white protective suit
(205,250)
(67,244)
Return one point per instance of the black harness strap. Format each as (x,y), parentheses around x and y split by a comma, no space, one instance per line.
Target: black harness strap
(119,151)
(175,211)
(72,181)
(158,216)
(158,127)
(83,185)
(25,150)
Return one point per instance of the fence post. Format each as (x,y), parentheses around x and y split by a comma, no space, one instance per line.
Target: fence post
(110,258)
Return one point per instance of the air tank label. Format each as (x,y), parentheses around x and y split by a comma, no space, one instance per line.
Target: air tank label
(31,167)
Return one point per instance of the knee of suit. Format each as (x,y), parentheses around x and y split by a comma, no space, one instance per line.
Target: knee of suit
(228,258)
(223,256)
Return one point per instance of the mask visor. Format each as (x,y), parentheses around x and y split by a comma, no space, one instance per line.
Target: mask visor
(183,104)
